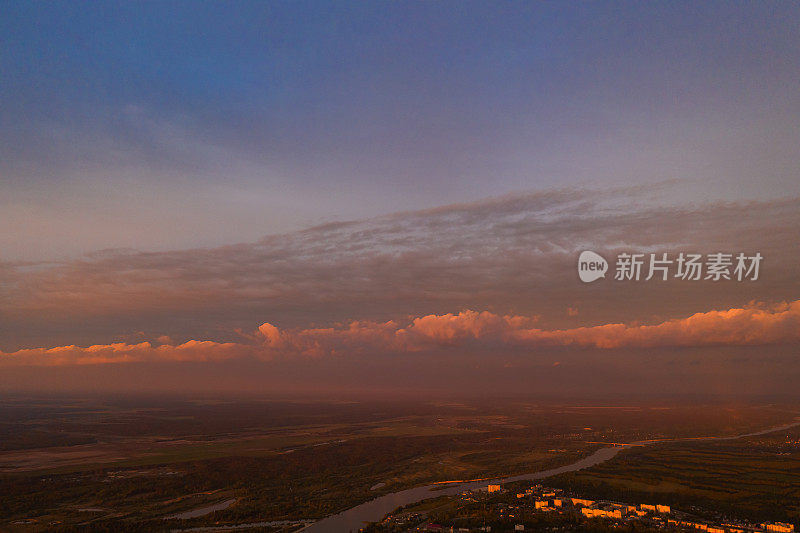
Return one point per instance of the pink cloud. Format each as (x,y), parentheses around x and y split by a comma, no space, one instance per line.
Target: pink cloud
(754,324)
(751,325)
(451,329)
(125,353)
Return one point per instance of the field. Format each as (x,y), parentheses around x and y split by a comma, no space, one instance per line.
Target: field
(756,478)
(136,463)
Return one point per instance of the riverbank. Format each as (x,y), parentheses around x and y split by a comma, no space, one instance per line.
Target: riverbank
(374,510)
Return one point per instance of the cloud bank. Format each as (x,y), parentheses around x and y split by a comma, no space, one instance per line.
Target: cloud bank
(513,256)
(755,324)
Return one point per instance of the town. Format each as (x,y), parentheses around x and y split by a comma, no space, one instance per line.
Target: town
(539,508)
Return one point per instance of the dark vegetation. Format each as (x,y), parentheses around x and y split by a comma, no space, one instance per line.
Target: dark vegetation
(293,460)
(756,478)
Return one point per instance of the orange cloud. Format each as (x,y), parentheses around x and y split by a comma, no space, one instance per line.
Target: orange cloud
(317,342)
(751,325)
(125,353)
(450,329)
(755,324)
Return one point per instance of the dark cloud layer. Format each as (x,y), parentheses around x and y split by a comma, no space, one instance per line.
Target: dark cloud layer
(510,255)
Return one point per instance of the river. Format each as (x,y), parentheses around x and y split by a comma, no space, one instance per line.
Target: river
(374,510)
(202,511)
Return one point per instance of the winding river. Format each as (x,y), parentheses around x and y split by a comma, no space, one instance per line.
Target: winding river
(374,510)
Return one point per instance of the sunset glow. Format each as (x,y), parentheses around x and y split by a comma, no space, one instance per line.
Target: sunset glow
(395,267)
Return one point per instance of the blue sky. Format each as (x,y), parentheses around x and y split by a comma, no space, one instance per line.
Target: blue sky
(164,126)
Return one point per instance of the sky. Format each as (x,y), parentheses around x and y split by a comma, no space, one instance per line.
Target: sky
(304,196)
